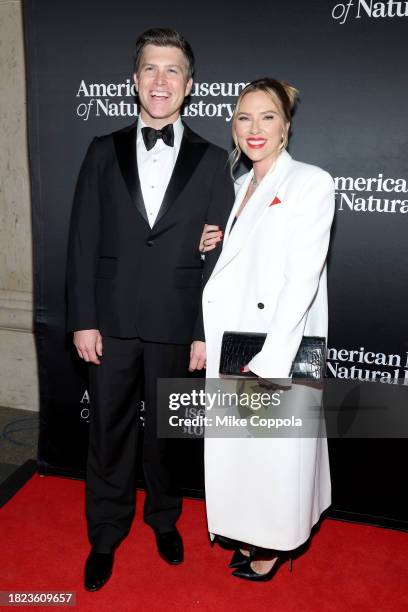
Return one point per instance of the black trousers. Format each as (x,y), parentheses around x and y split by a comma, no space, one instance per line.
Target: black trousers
(128,372)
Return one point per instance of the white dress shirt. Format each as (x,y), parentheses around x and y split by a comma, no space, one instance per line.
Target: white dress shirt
(156,167)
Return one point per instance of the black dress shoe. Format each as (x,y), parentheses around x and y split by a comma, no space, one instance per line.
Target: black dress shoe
(170,546)
(98,570)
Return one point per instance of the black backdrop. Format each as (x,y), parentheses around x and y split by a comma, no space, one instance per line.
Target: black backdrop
(347,62)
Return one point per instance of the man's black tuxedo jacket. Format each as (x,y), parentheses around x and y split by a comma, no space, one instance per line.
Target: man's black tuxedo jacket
(125,278)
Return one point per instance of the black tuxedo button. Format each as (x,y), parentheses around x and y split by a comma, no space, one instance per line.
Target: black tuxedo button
(260,305)
(150,242)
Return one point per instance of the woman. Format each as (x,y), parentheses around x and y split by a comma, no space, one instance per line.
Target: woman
(270,277)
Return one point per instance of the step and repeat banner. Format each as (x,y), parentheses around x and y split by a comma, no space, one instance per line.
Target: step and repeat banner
(347,60)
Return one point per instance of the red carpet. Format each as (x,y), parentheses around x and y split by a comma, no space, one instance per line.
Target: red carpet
(44,545)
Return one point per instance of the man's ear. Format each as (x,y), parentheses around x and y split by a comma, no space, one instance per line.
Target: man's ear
(189,85)
(136,81)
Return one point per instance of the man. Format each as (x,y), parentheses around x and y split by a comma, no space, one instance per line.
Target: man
(135,279)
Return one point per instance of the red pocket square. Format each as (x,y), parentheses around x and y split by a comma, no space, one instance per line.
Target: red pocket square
(276,200)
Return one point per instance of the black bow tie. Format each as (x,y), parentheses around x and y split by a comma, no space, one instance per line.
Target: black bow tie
(150,136)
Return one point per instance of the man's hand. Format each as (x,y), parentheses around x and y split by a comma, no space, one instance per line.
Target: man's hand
(88,343)
(210,237)
(198,356)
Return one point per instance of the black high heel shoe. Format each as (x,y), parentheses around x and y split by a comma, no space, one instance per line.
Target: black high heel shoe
(239,559)
(247,573)
(224,542)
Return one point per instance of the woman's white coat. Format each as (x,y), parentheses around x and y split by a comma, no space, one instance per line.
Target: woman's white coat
(270,277)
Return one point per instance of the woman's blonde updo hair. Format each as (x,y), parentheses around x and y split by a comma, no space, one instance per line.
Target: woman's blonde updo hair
(284,97)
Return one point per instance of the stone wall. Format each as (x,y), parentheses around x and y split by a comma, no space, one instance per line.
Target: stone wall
(18,367)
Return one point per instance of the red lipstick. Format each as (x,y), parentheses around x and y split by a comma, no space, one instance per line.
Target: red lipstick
(256,143)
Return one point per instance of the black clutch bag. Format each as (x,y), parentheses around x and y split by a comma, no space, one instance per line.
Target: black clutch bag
(238,348)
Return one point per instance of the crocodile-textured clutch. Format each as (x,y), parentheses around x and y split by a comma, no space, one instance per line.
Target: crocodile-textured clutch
(238,348)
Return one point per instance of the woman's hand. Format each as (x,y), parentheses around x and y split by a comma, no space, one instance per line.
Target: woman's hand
(210,237)
(270,384)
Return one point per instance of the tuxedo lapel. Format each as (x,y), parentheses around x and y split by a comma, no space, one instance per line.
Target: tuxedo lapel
(191,152)
(125,147)
(254,210)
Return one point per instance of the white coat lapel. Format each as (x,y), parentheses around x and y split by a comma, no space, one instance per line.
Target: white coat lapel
(238,200)
(253,212)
